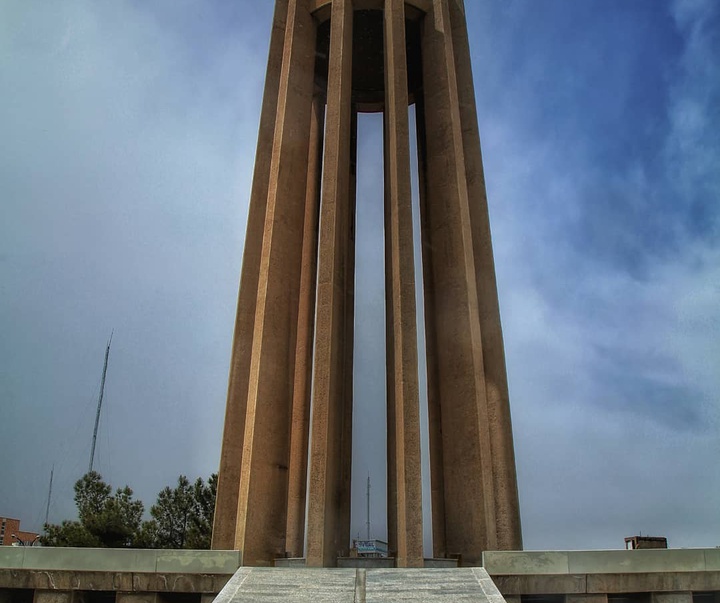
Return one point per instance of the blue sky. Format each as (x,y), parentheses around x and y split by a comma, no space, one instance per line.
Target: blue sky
(128,136)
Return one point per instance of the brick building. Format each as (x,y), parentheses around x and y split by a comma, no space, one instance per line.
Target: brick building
(11,534)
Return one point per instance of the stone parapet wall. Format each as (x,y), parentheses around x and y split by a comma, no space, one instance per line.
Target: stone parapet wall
(67,580)
(590,573)
(601,562)
(120,560)
(62,575)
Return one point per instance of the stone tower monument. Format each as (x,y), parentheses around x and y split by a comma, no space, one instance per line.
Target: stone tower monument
(284,482)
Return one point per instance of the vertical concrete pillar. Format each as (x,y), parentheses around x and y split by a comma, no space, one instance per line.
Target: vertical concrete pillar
(467,456)
(507,507)
(343,524)
(405,426)
(299,429)
(324,497)
(391,441)
(226,504)
(437,480)
(262,501)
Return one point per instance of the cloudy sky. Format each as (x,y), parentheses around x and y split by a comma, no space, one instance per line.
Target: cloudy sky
(127,139)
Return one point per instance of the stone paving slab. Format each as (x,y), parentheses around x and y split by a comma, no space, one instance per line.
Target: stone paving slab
(431,585)
(290,585)
(287,585)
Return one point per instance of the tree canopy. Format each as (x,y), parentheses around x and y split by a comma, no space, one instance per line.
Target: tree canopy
(181,517)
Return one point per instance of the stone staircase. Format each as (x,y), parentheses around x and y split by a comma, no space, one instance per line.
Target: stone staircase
(315,585)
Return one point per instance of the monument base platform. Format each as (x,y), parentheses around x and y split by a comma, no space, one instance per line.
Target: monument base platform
(345,585)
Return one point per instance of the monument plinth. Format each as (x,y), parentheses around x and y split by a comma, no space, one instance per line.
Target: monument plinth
(329,60)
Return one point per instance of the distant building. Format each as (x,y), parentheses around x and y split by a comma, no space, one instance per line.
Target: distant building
(645,542)
(12,535)
(371,548)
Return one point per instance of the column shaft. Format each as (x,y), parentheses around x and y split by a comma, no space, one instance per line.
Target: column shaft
(389,363)
(262,502)
(232,444)
(299,430)
(437,479)
(507,507)
(324,512)
(343,524)
(467,454)
(406,413)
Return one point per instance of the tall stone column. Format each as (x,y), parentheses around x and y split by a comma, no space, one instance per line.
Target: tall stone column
(391,442)
(507,506)
(262,501)
(300,421)
(404,472)
(346,430)
(326,456)
(437,480)
(468,484)
(226,503)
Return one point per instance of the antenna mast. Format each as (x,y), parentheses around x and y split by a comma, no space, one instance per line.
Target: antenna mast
(100,399)
(368,507)
(47,508)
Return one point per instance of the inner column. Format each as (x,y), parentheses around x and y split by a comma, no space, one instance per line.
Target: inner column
(404,474)
(327,516)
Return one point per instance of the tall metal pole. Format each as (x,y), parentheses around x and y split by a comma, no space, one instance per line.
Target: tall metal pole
(47,508)
(368,507)
(100,399)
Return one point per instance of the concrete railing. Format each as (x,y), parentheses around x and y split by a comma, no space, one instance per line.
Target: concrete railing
(655,575)
(601,562)
(120,560)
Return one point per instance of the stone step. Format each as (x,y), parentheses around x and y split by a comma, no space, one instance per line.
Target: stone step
(316,585)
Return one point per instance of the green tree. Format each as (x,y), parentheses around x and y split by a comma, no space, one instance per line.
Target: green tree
(183,516)
(68,533)
(106,519)
(202,521)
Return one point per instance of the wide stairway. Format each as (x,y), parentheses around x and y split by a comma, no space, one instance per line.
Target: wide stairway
(290,585)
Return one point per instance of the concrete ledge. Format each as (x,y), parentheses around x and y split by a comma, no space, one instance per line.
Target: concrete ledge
(525,562)
(290,562)
(545,584)
(119,560)
(589,584)
(601,562)
(637,561)
(653,582)
(64,580)
(366,562)
(438,563)
(362,562)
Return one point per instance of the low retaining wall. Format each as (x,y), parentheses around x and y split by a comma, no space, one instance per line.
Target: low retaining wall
(593,576)
(65,575)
